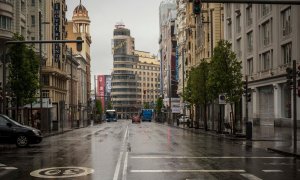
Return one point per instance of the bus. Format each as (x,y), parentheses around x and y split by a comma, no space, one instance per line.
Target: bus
(147,114)
(110,115)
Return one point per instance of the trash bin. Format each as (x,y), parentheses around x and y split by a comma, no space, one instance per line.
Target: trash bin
(249,130)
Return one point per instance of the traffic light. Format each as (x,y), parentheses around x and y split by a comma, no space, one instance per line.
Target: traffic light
(298,72)
(289,76)
(197,6)
(299,88)
(245,87)
(79,44)
(248,96)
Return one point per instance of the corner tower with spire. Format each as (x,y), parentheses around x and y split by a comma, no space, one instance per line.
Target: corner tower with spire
(80,27)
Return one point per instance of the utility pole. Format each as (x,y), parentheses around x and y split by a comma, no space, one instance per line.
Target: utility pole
(71,92)
(41,65)
(292,83)
(4,81)
(295,105)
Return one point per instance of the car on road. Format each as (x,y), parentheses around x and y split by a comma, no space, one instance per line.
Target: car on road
(136,118)
(14,132)
(184,119)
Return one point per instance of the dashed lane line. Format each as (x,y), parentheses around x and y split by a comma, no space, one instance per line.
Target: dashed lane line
(272,170)
(8,168)
(250,176)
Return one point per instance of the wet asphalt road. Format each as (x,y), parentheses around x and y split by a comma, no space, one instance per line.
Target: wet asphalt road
(146,151)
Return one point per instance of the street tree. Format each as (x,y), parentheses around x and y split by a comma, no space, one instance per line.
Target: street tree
(99,108)
(225,76)
(23,76)
(159,104)
(198,78)
(201,90)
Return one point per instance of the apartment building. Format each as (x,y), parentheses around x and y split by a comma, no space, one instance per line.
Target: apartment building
(135,76)
(266,39)
(148,75)
(167,51)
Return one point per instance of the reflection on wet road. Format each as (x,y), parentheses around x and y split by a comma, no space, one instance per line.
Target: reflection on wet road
(121,150)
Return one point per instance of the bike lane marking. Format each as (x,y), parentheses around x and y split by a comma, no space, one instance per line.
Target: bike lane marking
(62,172)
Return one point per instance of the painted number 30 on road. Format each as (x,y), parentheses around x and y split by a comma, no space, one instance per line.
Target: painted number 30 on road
(62,172)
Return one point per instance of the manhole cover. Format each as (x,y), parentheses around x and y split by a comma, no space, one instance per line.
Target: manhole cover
(61,172)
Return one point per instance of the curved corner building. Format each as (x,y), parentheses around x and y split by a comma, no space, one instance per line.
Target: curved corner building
(125,92)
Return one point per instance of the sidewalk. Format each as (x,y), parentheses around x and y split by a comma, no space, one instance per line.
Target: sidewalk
(276,139)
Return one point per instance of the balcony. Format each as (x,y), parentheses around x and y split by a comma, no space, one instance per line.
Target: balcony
(6,6)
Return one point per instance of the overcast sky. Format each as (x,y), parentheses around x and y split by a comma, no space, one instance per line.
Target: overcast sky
(140,16)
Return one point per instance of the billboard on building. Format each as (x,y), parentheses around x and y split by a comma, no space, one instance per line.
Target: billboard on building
(101,82)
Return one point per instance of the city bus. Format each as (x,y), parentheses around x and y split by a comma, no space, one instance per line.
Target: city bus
(110,115)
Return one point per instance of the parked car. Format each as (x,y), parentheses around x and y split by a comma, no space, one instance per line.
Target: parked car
(13,132)
(184,119)
(136,118)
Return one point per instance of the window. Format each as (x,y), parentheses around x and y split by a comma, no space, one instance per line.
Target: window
(238,24)
(32,2)
(5,22)
(250,66)
(238,48)
(265,9)
(32,20)
(286,21)
(266,61)
(3,122)
(287,53)
(250,42)
(249,15)
(266,33)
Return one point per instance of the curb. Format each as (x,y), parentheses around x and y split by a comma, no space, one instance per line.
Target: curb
(284,153)
(207,133)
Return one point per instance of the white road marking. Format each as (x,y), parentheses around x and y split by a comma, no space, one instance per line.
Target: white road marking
(207,157)
(8,168)
(2,164)
(117,170)
(189,171)
(125,167)
(250,176)
(272,170)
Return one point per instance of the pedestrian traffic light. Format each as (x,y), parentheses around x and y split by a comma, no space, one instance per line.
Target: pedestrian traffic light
(248,96)
(197,6)
(289,76)
(299,88)
(245,87)
(79,44)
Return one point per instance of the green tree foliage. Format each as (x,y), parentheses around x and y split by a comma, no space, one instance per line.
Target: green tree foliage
(98,107)
(225,74)
(159,105)
(109,106)
(146,105)
(23,72)
(196,91)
